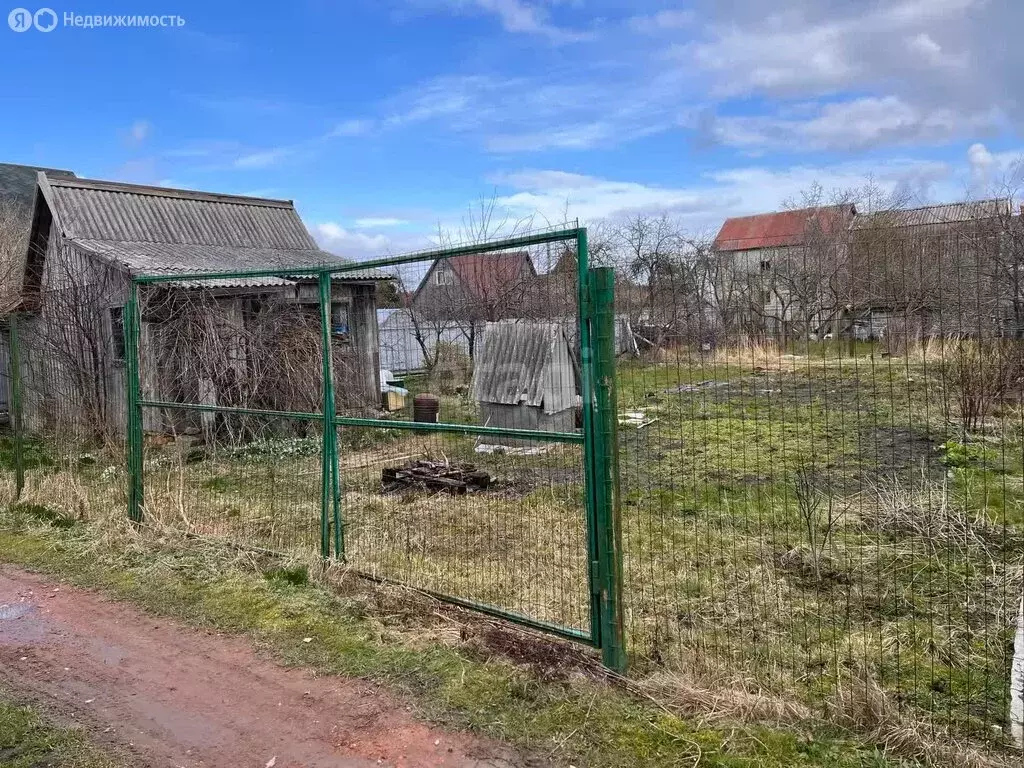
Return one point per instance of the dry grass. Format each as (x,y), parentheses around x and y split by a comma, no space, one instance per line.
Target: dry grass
(862,705)
(754,354)
(742,627)
(929,514)
(723,698)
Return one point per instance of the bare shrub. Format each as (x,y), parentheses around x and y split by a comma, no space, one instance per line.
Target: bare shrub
(12,246)
(927,513)
(978,374)
(818,513)
(451,370)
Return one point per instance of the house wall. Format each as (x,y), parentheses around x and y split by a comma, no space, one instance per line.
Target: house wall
(400,350)
(762,279)
(73,385)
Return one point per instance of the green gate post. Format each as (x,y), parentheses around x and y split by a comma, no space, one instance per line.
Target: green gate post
(330,490)
(132,324)
(17,422)
(606,461)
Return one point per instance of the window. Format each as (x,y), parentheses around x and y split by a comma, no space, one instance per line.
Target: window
(765,266)
(117,341)
(339,319)
(443,275)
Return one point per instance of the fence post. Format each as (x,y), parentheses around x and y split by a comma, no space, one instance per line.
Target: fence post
(16,414)
(131,323)
(606,458)
(330,496)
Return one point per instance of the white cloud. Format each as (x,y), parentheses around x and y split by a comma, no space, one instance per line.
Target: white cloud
(573,137)
(981,160)
(704,204)
(353,128)
(140,131)
(376,223)
(852,125)
(262,159)
(548,193)
(530,17)
(824,48)
(662,21)
(354,245)
(365,245)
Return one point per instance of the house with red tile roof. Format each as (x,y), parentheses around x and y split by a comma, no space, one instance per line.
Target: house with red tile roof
(482,287)
(779,266)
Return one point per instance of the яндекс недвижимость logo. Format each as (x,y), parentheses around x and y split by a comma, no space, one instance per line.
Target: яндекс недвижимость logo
(46,20)
(22,20)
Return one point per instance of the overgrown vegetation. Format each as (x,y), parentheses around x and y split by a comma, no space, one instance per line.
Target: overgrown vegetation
(27,740)
(452,666)
(793,534)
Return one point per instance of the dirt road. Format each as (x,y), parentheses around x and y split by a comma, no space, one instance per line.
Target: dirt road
(177,697)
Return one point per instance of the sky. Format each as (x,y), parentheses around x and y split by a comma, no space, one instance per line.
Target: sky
(386,120)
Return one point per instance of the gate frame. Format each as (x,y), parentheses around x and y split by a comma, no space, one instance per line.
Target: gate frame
(596,328)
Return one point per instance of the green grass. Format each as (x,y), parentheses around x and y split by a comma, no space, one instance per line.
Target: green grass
(28,740)
(35,454)
(575,718)
(720,574)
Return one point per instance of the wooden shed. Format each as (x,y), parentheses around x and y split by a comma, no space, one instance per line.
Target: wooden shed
(249,342)
(525,378)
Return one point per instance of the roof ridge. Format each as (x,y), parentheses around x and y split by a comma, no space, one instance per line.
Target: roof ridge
(939,205)
(792,211)
(171,192)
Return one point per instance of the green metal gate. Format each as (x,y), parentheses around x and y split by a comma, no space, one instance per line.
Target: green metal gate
(539,546)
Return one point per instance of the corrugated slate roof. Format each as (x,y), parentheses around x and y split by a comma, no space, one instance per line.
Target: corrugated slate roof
(780,229)
(103,210)
(931,215)
(172,258)
(524,363)
(157,231)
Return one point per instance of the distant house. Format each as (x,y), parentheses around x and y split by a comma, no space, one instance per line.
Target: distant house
(525,378)
(244,342)
(936,270)
(409,343)
(453,302)
(775,267)
(17,195)
(485,286)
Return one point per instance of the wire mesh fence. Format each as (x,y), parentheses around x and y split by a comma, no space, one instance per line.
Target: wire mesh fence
(61,457)
(503,529)
(255,410)
(821,471)
(819,465)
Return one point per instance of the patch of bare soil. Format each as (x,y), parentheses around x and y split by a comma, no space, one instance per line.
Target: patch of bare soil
(173,696)
(549,659)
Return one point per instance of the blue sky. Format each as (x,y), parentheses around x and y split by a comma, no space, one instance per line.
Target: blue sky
(385,119)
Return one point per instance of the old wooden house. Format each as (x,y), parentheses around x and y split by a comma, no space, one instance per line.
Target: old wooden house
(251,342)
(937,270)
(17,194)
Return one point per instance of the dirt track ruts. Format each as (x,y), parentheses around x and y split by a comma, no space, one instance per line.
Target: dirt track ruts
(170,695)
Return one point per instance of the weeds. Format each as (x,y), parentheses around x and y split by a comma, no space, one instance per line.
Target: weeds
(28,741)
(819,525)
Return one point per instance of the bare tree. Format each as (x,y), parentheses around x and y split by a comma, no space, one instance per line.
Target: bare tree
(13,243)
(460,294)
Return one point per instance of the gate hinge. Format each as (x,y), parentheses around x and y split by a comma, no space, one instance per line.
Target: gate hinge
(595,577)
